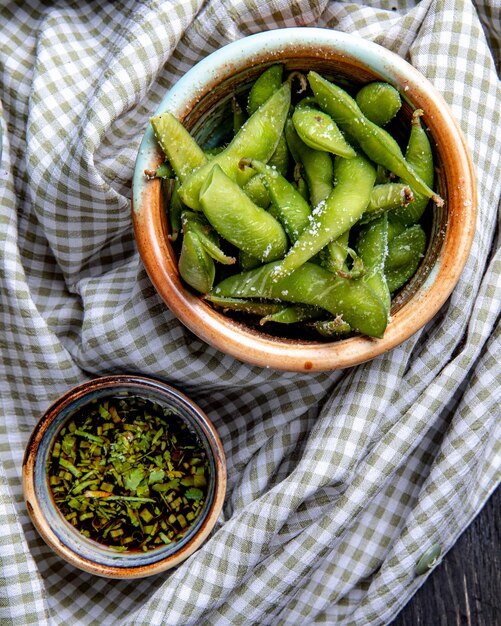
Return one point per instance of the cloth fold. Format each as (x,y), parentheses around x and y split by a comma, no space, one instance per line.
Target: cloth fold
(338,482)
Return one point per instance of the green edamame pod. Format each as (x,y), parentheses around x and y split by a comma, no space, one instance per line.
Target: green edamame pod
(332,328)
(405,252)
(335,255)
(386,197)
(196,266)
(281,157)
(238,220)
(178,145)
(379,102)
(337,214)
(317,166)
(176,208)
(313,285)
(420,155)
(257,192)
(394,229)
(271,311)
(419,151)
(318,169)
(290,208)
(405,247)
(244,305)
(264,87)
(399,276)
(377,144)
(372,246)
(319,131)
(257,139)
(291,315)
(197,224)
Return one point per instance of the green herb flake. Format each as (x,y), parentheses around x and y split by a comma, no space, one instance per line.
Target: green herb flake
(133,478)
(156,476)
(194,494)
(128,473)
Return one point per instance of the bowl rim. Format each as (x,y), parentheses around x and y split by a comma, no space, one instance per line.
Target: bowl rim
(235,339)
(104,384)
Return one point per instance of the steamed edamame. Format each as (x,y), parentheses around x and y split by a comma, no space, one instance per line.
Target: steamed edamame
(310,215)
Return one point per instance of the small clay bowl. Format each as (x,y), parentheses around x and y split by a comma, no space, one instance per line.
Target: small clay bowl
(62,536)
(199,100)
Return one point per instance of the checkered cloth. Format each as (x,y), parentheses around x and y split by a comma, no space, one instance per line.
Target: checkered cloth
(338,482)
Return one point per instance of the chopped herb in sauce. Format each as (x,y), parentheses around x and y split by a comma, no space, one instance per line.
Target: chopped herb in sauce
(128,473)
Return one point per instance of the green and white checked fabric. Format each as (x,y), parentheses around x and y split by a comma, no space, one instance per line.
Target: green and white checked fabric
(338,482)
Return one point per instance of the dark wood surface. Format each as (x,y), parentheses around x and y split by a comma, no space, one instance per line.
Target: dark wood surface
(465,588)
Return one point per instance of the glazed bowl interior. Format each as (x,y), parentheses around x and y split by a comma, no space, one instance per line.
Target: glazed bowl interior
(62,536)
(202,101)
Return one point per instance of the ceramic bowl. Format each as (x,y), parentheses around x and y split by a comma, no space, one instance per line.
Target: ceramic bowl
(67,541)
(198,100)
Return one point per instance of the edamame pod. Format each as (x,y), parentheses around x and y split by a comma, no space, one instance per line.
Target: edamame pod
(244,305)
(379,102)
(394,229)
(311,284)
(257,192)
(291,315)
(265,85)
(319,131)
(176,207)
(377,144)
(332,328)
(318,169)
(271,311)
(337,214)
(178,145)
(238,220)
(335,255)
(257,139)
(406,247)
(317,166)
(196,266)
(263,88)
(386,197)
(372,246)
(405,252)
(197,224)
(290,208)
(420,155)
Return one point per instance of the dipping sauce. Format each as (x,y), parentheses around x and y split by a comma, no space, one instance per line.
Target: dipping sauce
(128,473)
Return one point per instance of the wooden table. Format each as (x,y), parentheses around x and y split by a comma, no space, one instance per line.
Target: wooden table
(465,589)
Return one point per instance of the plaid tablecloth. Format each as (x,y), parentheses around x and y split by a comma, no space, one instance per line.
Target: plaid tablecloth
(338,482)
